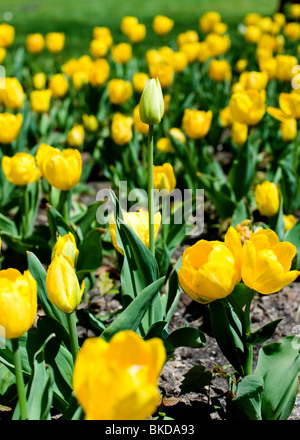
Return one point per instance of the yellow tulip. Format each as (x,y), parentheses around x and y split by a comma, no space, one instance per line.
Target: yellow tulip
(121,129)
(80,78)
(252,34)
(279,18)
(288,129)
(218,44)
(3,53)
(164,144)
(40,100)
(289,221)
(99,72)
(289,104)
(253,80)
(208,21)
(90,122)
(20,169)
(239,133)
(285,64)
(62,285)
(18,302)
(66,246)
(209,271)
(253,18)
(225,117)
(10,126)
(191,51)
(119,91)
(164,72)
(267,262)
(55,41)
(196,123)
(62,169)
(139,81)
(39,80)
(292,31)
(220,28)
(59,85)
(103,33)
(268,65)
(219,70)
(189,36)
(127,22)
(294,11)
(12,96)
(179,61)
(35,43)
(119,380)
(241,65)
(121,53)
(248,106)
(164,177)
(267,198)
(98,48)
(162,25)
(137,33)
(7,35)
(139,222)
(138,125)
(76,136)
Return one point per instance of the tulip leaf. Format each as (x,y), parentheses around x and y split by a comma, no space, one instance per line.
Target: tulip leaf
(90,251)
(39,274)
(263,334)
(240,213)
(184,337)
(278,364)
(59,224)
(131,317)
(8,226)
(293,236)
(249,396)
(85,220)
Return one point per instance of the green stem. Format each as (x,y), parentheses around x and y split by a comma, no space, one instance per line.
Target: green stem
(19,379)
(296,143)
(71,318)
(150,191)
(247,322)
(63,205)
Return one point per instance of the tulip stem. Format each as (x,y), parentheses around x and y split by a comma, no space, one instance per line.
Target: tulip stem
(71,318)
(296,143)
(19,379)
(150,191)
(247,322)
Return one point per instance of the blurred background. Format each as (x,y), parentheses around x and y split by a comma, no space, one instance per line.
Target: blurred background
(77,18)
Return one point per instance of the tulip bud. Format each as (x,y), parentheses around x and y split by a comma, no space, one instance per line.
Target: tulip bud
(62,285)
(267,198)
(66,246)
(152,103)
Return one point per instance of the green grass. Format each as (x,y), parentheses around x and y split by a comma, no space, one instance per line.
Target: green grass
(77,18)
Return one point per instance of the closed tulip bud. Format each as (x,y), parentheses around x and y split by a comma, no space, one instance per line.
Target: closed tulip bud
(59,85)
(121,129)
(189,36)
(12,96)
(90,123)
(40,100)
(219,70)
(179,61)
(288,129)
(35,43)
(7,35)
(164,177)
(267,262)
(127,23)
(208,21)
(62,285)
(18,302)
(39,80)
(124,372)
(103,33)
(162,25)
(62,169)
(119,91)
(267,198)
(292,31)
(218,44)
(55,41)
(138,125)
(209,271)
(20,169)
(152,103)
(253,80)
(289,221)
(294,11)
(66,246)
(121,53)
(98,48)
(10,126)
(241,65)
(139,80)
(248,106)
(164,72)
(139,223)
(137,33)
(196,123)
(76,136)
(252,34)
(239,133)
(99,72)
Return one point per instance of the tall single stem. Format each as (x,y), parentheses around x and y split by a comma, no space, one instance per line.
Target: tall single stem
(19,379)
(150,191)
(71,318)
(247,322)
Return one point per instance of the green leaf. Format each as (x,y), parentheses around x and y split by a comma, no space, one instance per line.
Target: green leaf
(240,213)
(249,396)
(195,380)
(131,317)
(278,365)
(59,224)
(90,251)
(293,236)
(89,321)
(263,334)
(184,337)
(8,226)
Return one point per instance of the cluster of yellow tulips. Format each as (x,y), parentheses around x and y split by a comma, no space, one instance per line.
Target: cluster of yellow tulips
(205,109)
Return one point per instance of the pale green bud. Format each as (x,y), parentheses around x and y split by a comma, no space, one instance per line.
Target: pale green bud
(152,103)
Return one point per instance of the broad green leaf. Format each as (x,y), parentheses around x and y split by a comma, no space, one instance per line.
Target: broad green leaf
(90,251)
(264,333)
(249,396)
